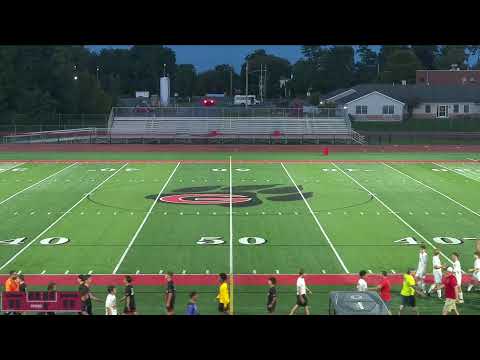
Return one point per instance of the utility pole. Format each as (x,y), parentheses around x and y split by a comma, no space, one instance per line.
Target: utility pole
(265,82)
(246,84)
(260,87)
(231,81)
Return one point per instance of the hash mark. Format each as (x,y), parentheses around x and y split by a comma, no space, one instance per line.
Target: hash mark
(138,272)
(90,272)
(66,272)
(323,271)
(43,272)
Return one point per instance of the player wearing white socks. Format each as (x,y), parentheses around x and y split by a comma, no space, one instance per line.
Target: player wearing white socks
(475,272)
(437,273)
(422,267)
(457,271)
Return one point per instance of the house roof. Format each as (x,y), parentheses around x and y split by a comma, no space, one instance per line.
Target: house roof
(421,93)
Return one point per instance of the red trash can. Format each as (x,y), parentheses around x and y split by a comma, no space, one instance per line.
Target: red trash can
(325,151)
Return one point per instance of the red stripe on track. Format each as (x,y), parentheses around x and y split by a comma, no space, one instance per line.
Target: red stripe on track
(212,280)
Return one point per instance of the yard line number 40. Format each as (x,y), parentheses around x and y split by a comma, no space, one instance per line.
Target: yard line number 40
(47,241)
(442,240)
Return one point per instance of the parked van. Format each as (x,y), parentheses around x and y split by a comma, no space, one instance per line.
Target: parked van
(245,100)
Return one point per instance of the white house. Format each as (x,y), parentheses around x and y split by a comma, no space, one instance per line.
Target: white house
(380,102)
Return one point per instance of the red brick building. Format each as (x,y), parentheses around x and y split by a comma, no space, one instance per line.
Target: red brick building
(448,77)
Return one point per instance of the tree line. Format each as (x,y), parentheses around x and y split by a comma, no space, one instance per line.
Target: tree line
(73,79)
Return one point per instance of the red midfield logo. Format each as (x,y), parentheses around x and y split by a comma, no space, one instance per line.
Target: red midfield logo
(205,199)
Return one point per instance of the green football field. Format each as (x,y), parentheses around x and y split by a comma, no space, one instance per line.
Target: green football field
(221,214)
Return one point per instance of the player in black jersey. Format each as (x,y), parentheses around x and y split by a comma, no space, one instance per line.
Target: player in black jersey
(272,295)
(170,293)
(130,308)
(86,295)
(22,286)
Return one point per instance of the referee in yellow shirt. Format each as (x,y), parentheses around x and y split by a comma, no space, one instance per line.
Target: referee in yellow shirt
(408,292)
(223,296)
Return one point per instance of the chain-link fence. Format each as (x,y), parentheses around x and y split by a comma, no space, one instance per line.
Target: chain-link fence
(12,124)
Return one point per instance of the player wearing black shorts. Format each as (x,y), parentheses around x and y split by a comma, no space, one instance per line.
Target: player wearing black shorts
(130,308)
(272,295)
(84,292)
(170,293)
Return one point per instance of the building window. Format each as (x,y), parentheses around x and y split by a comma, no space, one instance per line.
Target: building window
(455,108)
(358,109)
(364,109)
(466,108)
(428,109)
(388,109)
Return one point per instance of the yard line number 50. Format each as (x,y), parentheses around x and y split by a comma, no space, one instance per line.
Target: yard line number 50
(217,240)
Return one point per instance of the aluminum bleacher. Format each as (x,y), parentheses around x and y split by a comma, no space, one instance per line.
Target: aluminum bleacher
(189,124)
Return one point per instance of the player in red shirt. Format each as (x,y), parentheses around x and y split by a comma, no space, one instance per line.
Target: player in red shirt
(384,289)
(449,283)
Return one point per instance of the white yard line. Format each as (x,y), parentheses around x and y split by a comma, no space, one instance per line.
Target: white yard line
(144,221)
(318,222)
(457,172)
(438,192)
(12,167)
(391,211)
(39,182)
(60,218)
(472,159)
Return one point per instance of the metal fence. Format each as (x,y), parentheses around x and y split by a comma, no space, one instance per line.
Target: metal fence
(228,112)
(21,123)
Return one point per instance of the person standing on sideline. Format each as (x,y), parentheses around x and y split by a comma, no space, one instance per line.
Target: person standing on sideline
(302,290)
(457,271)
(192,308)
(449,283)
(86,295)
(408,292)
(384,289)
(11,284)
(51,287)
(362,283)
(129,297)
(22,286)
(111,301)
(475,272)
(422,267)
(170,293)
(223,296)
(437,273)
(272,295)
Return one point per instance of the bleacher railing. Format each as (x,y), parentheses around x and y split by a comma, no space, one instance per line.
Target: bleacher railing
(228,112)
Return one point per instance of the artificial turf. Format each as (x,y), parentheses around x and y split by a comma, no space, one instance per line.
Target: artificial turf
(326,217)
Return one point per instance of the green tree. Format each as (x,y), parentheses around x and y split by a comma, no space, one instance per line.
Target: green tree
(366,70)
(400,65)
(452,54)
(277,68)
(185,80)
(427,55)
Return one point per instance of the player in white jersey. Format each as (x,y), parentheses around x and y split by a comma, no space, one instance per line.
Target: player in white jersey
(422,267)
(111,301)
(457,271)
(437,273)
(475,272)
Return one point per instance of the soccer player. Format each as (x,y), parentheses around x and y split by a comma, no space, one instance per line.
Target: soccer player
(457,271)
(384,289)
(437,273)
(223,296)
(192,308)
(51,287)
(170,293)
(475,272)
(111,301)
(449,283)
(22,286)
(272,295)
(129,297)
(408,292)
(422,267)
(302,290)
(86,295)
(362,283)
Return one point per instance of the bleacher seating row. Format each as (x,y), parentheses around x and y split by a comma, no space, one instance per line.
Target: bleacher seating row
(168,127)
